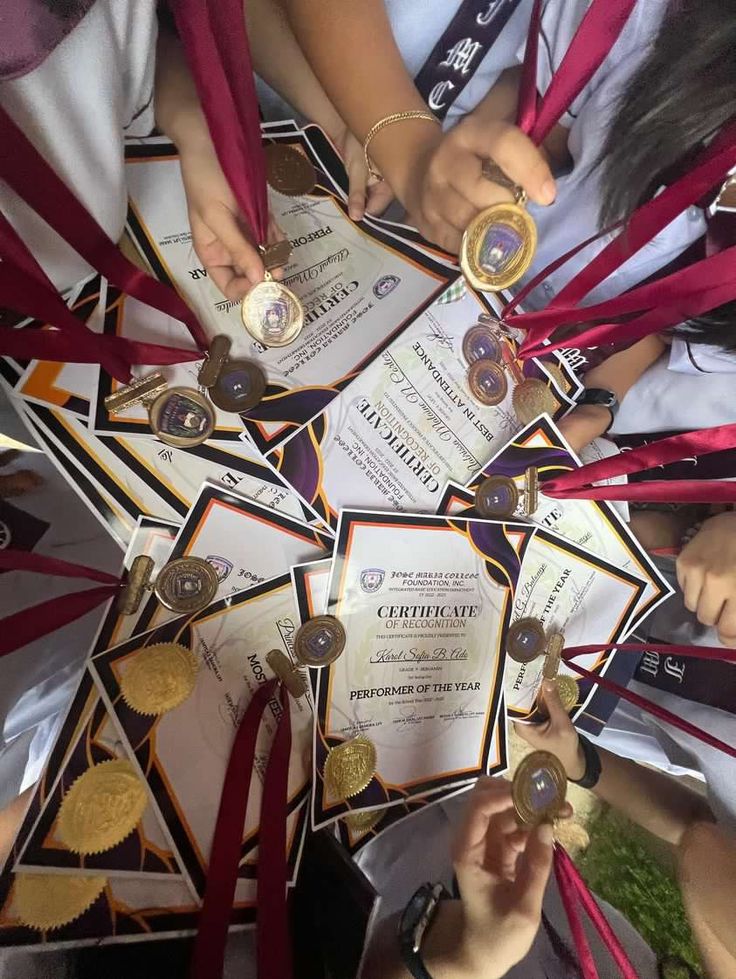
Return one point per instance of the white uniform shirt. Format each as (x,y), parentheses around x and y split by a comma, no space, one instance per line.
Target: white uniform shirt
(94,88)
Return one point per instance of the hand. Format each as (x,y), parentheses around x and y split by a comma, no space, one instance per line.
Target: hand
(706,572)
(220,234)
(502,872)
(584,424)
(444,189)
(366,195)
(557,734)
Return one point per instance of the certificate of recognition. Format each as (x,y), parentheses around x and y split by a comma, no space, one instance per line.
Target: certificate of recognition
(409,423)
(183,753)
(423,602)
(358,285)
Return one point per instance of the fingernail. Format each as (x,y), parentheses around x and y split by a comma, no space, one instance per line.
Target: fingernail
(548,192)
(546,834)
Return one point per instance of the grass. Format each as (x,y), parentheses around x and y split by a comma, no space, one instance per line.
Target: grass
(626,867)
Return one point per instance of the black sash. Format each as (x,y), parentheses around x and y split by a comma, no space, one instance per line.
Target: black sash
(458,53)
(703,681)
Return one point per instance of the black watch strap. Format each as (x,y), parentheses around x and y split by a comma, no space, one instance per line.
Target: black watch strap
(601,397)
(592,764)
(415,919)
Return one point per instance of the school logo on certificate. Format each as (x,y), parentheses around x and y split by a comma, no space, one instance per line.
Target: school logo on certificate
(371,579)
(222,566)
(386,284)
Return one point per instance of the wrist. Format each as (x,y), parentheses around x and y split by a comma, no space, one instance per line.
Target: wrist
(450,951)
(188,131)
(575,765)
(400,153)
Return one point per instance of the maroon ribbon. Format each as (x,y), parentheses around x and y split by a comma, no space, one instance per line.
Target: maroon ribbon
(30,624)
(577,484)
(598,32)
(576,897)
(214,36)
(273,942)
(696,652)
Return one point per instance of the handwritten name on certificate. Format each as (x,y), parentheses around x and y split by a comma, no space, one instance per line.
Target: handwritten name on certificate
(423,601)
(184,752)
(405,426)
(358,285)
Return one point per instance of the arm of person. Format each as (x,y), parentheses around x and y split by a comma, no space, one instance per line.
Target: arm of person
(618,373)
(437,178)
(502,872)
(658,803)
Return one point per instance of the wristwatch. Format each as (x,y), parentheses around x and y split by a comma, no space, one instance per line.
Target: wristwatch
(415,919)
(599,396)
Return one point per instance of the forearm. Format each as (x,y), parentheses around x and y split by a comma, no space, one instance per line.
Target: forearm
(178,111)
(280,62)
(651,799)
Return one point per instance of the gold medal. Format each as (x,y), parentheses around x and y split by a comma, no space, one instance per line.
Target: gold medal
(497,498)
(349,767)
(272,314)
(233,385)
(539,788)
(180,416)
(186,584)
(487,382)
(48,901)
(481,343)
(498,245)
(364,822)
(319,641)
(159,678)
(532,398)
(103,806)
(525,640)
(288,170)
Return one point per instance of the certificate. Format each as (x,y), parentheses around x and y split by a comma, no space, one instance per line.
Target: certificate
(405,426)
(424,602)
(358,285)
(244,541)
(183,754)
(594,524)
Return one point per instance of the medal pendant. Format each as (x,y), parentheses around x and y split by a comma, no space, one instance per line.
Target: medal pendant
(288,170)
(182,417)
(186,584)
(539,788)
(319,641)
(481,343)
(525,640)
(233,385)
(498,247)
(272,314)
(487,382)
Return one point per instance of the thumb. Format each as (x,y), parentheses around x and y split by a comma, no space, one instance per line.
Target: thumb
(533,870)
(533,734)
(559,720)
(380,196)
(357,178)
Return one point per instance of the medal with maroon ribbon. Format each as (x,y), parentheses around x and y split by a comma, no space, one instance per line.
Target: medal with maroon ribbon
(499,244)
(217,49)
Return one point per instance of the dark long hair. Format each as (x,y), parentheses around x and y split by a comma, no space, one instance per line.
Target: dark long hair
(683,93)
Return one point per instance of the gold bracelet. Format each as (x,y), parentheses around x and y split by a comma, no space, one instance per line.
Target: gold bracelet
(389,121)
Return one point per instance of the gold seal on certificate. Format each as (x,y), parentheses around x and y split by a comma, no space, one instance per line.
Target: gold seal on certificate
(159,678)
(498,246)
(319,641)
(363,822)
(532,398)
(48,901)
(102,807)
(179,416)
(350,766)
(187,584)
(288,171)
(539,788)
(272,314)
(525,640)
(568,690)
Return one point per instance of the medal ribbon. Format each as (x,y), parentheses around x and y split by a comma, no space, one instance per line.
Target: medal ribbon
(40,620)
(27,173)
(576,895)
(577,484)
(216,43)
(597,33)
(697,652)
(273,942)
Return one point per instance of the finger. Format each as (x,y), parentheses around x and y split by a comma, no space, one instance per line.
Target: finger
(692,585)
(244,254)
(533,734)
(532,871)
(230,284)
(483,804)
(467,179)
(357,178)
(455,209)
(516,155)
(711,602)
(559,720)
(441,233)
(380,196)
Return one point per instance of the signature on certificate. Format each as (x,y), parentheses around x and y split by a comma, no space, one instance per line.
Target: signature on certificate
(418,654)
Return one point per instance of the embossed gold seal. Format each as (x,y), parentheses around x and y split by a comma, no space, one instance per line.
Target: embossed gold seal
(48,901)
(364,822)
(539,788)
(532,398)
(349,767)
(159,678)
(568,690)
(102,807)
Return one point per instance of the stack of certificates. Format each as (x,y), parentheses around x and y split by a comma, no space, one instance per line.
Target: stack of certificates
(337,525)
